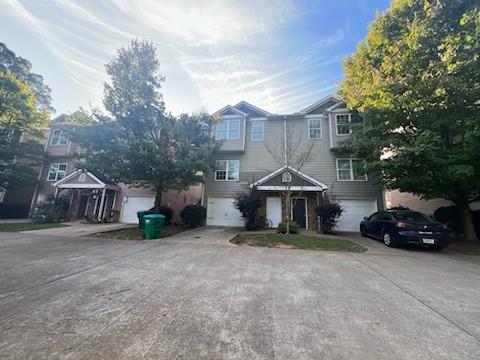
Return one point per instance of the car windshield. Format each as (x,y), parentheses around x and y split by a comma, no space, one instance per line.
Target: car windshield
(412,216)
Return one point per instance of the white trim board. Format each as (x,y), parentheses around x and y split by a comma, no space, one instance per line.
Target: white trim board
(295,171)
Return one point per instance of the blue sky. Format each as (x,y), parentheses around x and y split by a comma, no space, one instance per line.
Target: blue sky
(281,55)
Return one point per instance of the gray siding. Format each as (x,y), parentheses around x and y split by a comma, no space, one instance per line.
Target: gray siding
(261,158)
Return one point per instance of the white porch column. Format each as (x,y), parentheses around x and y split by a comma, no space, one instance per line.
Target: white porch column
(56,192)
(102,201)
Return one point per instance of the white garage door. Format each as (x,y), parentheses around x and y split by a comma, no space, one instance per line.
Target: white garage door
(134,204)
(353,213)
(221,212)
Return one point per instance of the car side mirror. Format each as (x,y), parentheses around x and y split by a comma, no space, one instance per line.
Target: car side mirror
(365,218)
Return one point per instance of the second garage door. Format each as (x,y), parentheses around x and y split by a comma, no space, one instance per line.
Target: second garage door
(353,213)
(221,212)
(134,204)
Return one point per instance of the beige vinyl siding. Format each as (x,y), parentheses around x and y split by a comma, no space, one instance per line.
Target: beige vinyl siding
(256,161)
(413,202)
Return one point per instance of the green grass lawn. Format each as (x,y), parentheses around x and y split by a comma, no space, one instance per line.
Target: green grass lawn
(15,227)
(298,241)
(134,233)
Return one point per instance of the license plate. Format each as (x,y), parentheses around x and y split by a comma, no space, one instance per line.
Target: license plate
(428,241)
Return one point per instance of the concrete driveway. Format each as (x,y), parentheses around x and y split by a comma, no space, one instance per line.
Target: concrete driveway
(195,296)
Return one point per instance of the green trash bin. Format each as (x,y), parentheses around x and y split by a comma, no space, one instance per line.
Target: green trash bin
(141,220)
(153,226)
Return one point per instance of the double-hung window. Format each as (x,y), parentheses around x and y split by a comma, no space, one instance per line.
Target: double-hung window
(56,172)
(227,170)
(257,130)
(351,170)
(314,128)
(342,123)
(59,137)
(228,130)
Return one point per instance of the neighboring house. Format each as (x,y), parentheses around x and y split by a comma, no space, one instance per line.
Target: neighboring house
(91,194)
(396,198)
(249,135)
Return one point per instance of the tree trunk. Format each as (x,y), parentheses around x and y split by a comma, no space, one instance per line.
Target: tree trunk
(467,222)
(158,200)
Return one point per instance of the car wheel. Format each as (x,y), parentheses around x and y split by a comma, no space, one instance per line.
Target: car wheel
(362,231)
(387,239)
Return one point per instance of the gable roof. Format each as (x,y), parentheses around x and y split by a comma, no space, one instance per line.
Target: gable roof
(250,109)
(320,103)
(94,181)
(228,110)
(314,182)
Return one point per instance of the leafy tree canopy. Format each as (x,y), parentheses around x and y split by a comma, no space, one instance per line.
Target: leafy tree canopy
(24,111)
(416,81)
(138,143)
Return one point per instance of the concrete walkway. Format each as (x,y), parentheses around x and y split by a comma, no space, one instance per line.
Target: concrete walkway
(15,221)
(79,228)
(196,296)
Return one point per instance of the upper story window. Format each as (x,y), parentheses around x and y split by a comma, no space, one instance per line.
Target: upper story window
(314,128)
(59,137)
(227,170)
(342,123)
(228,130)
(351,170)
(56,172)
(258,129)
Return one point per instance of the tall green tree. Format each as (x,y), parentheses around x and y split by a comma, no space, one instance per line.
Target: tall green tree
(24,111)
(138,143)
(416,81)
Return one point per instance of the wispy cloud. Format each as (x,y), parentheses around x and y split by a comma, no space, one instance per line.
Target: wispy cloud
(212,52)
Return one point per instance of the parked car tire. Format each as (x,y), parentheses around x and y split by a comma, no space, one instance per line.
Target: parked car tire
(387,239)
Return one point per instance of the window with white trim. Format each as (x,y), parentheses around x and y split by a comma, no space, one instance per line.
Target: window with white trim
(258,129)
(314,128)
(351,170)
(59,137)
(56,172)
(342,123)
(228,130)
(227,170)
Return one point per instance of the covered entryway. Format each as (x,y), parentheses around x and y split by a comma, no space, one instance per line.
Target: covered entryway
(133,204)
(304,193)
(91,198)
(222,212)
(353,213)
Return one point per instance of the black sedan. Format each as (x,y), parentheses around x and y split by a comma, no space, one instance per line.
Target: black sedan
(403,227)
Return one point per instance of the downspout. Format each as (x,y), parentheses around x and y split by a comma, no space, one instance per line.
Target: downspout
(244,131)
(285,137)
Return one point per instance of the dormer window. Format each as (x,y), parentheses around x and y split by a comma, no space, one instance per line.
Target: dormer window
(228,130)
(59,137)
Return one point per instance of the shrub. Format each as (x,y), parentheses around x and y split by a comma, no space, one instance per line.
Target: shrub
(449,215)
(167,212)
(292,225)
(248,202)
(328,214)
(193,215)
(52,209)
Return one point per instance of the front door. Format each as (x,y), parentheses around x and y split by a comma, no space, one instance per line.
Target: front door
(299,210)
(274,210)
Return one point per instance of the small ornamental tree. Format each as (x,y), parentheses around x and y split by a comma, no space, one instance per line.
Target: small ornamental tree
(248,202)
